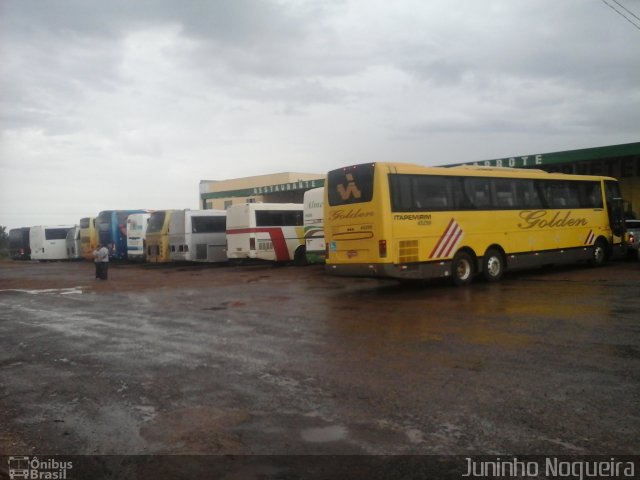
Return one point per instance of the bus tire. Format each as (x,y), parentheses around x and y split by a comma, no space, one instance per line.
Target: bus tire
(493,265)
(599,253)
(300,257)
(462,269)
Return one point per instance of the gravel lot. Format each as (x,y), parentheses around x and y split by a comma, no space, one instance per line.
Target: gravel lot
(261,360)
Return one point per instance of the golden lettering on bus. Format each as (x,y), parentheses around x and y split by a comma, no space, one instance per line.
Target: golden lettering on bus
(351,213)
(351,189)
(542,219)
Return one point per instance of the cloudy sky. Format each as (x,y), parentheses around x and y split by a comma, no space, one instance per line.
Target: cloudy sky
(129,104)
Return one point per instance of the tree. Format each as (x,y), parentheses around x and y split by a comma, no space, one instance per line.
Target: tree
(4,242)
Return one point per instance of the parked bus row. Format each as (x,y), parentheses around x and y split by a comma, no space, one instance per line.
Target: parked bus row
(251,231)
(389,220)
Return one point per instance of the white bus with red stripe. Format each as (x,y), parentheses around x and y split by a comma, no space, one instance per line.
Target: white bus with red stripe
(412,222)
(265,231)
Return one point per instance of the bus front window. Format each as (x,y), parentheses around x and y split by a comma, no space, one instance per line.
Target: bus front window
(156,221)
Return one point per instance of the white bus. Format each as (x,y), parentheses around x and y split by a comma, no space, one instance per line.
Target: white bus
(49,243)
(265,231)
(73,243)
(314,225)
(136,235)
(198,236)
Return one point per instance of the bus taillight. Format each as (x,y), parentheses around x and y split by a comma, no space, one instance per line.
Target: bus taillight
(382,248)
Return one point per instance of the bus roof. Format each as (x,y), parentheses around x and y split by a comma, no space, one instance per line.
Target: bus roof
(480,171)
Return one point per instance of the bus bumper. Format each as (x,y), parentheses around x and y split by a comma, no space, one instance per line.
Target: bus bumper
(410,271)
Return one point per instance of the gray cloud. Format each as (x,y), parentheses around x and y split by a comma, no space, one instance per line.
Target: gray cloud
(157,94)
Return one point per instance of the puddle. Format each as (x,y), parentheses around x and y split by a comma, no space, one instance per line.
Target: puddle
(333,433)
(47,291)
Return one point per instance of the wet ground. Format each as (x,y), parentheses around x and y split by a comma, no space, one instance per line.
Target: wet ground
(288,360)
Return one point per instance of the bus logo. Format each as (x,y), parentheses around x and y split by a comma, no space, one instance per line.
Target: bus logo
(18,467)
(33,467)
(351,189)
(448,241)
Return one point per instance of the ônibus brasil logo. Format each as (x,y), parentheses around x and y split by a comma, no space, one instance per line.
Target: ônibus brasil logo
(40,469)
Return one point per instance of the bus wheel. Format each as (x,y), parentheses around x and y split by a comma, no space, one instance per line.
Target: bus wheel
(492,265)
(599,254)
(300,257)
(462,269)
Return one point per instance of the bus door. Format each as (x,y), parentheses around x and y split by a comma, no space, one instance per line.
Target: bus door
(615,209)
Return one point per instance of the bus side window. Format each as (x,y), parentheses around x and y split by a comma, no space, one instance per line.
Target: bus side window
(503,191)
(590,195)
(479,191)
(401,193)
(544,190)
(561,194)
(431,193)
(527,195)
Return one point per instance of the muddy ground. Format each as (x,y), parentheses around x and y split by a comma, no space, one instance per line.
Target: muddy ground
(261,360)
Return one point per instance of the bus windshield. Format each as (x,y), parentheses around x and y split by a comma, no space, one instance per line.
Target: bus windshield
(351,185)
(56,233)
(104,221)
(156,221)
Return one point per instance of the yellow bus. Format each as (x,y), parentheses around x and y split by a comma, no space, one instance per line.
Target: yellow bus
(88,237)
(413,222)
(157,240)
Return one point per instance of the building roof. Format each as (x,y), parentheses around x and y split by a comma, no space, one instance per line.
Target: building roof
(567,156)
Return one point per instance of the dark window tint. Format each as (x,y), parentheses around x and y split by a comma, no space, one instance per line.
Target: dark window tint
(156,221)
(278,218)
(19,238)
(612,190)
(424,193)
(566,194)
(208,224)
(350,185)
(504,193)
(122,217)
(478,191)
(590,194)
(527,194)
(55,233)
(85,222)
(104,221)
(438,193)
